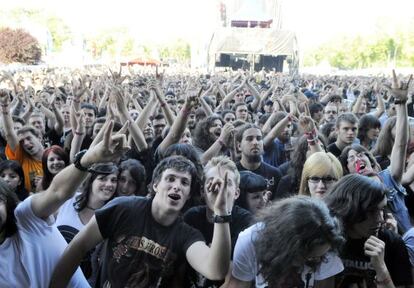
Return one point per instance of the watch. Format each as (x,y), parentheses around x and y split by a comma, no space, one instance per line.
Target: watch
(222,219)
(77,160)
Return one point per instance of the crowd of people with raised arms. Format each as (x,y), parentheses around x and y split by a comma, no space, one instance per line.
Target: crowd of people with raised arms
(135,178)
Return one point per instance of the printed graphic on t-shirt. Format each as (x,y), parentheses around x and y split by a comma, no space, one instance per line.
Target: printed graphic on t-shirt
(144,262)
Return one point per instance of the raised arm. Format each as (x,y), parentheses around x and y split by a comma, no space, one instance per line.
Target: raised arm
(276,130)
(66,182)
(9,133)
(380,102)
(256,95)
(224,140)
(180,122)
(135,131)
(169,115)
(147,111)
(213,262)
(400,92)
(83,242)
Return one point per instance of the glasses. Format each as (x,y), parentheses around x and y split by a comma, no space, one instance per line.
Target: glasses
(357,155)
(325,180)
(330,112)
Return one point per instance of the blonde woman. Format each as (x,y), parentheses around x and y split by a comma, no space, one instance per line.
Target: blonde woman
(320,172)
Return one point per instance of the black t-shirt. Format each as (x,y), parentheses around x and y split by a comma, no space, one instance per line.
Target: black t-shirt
(141,252)
(334,149)
(358,268)
(196,217)
(270,173)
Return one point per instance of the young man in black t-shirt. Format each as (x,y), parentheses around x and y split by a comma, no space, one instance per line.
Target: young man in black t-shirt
(202,217)
(347,130)
(249,139)
(146,240)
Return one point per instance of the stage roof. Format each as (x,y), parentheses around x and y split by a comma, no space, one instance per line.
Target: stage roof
(261,41)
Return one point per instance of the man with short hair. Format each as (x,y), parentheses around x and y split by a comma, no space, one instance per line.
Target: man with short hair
(346,127)
(249,139)
(25,146)
(240,109)
(158,123)
(330,113)
(146,238)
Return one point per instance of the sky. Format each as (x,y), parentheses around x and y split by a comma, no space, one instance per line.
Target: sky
(314,21)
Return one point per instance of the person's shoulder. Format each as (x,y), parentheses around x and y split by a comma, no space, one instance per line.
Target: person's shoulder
(241,217)
(195,211)
(251,231)
(128,202)
(268,167)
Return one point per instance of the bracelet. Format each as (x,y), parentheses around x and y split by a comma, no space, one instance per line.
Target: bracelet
(385,281)
(79,133)
(163,104)
(76,101)
(222,219)
(222,143)
(399,102)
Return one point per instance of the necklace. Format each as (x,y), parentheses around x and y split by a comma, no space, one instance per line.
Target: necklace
(90,208)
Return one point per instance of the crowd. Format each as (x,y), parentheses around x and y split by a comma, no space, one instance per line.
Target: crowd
(146,179)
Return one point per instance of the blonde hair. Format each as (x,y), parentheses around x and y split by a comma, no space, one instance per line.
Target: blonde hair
(226,163)
(319,164)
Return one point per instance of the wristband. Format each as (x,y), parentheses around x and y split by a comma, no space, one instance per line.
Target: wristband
(163,104)
(399,102)
(77,161)
(221,143)
(387,280)
(78,133)
(76,101)
(222,219)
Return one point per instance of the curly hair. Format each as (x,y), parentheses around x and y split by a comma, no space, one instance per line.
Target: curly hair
(293,227)
(202,137)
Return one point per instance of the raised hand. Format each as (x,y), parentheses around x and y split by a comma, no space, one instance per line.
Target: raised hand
(399,89)
(375,249)
(307,124)
(4,98)
(219,186)
(108,150)
(226,133)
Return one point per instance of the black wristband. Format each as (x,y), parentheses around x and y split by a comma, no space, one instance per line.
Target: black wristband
(399,102)
(222,219)
(77,160)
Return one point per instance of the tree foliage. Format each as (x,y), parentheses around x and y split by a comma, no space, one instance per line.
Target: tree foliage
(58,29)
(359,52)
(16,45)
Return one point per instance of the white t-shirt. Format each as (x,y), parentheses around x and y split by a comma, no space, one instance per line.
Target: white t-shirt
(28,258)
(68,216)
(245,266)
